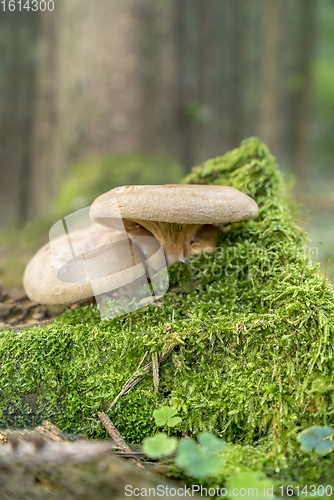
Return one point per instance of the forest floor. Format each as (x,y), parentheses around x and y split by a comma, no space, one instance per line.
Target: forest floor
(18,312)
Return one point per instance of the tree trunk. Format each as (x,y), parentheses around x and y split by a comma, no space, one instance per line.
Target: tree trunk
(303,96)
(237,72)
(212,58)
(45,170)
(269,116)
(18,65)
(186,84)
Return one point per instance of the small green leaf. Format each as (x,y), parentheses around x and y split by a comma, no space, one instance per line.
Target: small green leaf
(166,416)
(315,438)
(324,447)
(172,422)
(211,443)
(159,445)
(206,467)
(251,483)
(307,441)
(321,432)
(187,453)
(197,461)
(159,417)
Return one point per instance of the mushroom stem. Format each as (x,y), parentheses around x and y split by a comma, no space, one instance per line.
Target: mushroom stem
(175,238)
(205,239)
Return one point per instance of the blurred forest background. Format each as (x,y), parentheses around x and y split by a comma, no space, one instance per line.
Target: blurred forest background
(108,92)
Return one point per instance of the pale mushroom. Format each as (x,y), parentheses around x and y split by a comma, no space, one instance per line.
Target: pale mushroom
(105,260)
(172,212)
(205,239)
(148,245)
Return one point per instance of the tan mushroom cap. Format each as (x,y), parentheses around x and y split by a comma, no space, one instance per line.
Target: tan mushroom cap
(175,203)
(173,212)
(110,261)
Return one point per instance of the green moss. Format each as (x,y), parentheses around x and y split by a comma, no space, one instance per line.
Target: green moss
(253,328)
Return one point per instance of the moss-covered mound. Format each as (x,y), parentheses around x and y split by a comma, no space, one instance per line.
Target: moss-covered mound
(252,335)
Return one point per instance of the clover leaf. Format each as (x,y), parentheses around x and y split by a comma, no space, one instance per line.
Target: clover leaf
(166,416)
(321,432)
(201,460)
(251,483)
(159,445)
(315,439)
(211,443)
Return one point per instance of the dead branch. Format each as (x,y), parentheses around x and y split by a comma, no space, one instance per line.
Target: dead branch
(115,435)
(155,370)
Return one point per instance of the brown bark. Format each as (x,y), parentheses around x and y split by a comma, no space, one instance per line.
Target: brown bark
(270,73)
(72,471)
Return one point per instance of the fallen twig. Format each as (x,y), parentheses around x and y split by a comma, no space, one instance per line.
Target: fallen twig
(155,370)
(141,361)
(115,435)
(133,454)
(113,432)
(134,380)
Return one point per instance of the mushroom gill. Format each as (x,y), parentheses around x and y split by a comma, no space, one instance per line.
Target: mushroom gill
(173,213)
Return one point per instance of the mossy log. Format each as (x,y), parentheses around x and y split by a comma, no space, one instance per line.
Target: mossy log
(252,335)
